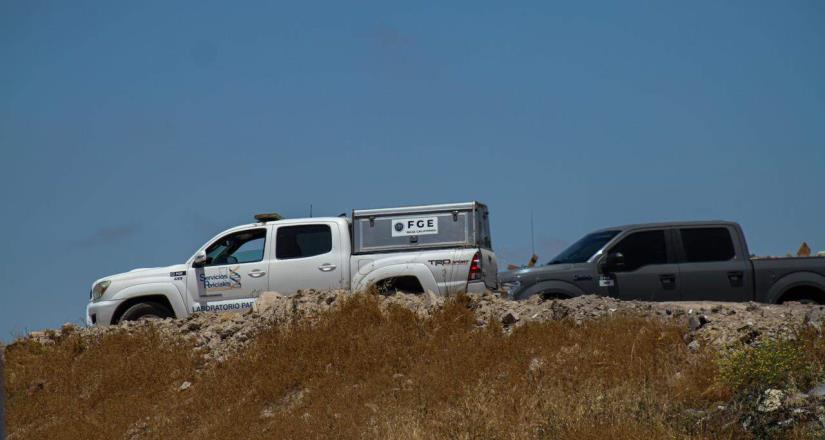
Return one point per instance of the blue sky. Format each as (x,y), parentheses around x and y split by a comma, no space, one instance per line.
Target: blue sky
(133,132)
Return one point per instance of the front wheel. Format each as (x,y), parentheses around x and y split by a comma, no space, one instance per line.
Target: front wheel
(147,310)
(546,296)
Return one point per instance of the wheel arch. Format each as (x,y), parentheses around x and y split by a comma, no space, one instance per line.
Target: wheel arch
(417,270)
(161,293)
(125,305)
(795,283)
(553,287)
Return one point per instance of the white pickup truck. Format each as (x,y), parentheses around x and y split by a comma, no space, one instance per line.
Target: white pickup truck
(444,249)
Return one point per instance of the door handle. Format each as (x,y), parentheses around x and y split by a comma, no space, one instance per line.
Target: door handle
(326,267)
(257,273)
(736,278)
(668,280)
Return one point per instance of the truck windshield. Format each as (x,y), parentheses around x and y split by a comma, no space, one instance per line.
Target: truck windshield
(582,250)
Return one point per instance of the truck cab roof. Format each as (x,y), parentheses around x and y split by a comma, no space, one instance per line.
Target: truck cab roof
(289,221)
(670,225)
(292,221)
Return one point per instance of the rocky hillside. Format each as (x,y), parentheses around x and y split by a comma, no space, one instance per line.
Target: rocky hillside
(330,364)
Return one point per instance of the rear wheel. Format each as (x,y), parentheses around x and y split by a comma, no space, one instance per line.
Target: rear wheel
(406,284)
(147,310)
(808,301)
(804,296)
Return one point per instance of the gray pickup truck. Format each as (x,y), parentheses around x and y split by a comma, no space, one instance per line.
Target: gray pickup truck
(676,261)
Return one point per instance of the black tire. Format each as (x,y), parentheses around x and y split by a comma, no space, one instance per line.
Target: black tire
(386,288)
(405,284)
(147,310)
(806,301)
(546,296)
(807,296)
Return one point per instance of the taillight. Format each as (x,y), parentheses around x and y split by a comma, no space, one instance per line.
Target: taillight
(475,267)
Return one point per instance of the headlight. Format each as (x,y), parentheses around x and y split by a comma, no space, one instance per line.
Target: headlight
(510,285)
(99,289)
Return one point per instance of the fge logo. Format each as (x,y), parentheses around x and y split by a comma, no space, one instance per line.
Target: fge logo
(414,226)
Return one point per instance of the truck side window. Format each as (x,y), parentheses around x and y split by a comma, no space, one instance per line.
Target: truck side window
(707,244)
(237,247)
(642,249)
(302,241)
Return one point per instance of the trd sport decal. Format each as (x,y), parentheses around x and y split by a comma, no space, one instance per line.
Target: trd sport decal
(447,262)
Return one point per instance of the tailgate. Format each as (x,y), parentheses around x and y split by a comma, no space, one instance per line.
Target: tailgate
(489,268)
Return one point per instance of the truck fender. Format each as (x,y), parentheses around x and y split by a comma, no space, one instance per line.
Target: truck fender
(792,280)
(418,270)
(164,289)
(556,287)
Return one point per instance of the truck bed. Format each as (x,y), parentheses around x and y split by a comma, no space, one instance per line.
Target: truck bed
(772,276)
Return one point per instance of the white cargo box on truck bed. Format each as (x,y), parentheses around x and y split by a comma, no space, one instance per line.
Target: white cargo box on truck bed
(421,227)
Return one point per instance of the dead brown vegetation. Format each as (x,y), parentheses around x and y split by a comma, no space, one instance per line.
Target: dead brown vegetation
(359,372)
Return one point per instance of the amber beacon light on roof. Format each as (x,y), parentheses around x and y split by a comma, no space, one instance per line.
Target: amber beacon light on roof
(268,217)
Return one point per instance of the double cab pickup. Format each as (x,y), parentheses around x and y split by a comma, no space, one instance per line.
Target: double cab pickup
(677,261)
(444,249)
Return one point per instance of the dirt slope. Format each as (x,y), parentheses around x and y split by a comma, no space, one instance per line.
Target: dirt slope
(334,365)
(718,323)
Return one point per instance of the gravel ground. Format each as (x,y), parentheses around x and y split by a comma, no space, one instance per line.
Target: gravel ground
(721,324)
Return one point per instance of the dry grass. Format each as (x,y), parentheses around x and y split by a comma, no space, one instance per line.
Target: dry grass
(80,389)
(361,373)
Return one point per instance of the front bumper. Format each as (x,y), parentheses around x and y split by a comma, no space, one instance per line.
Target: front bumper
(512,290)
(100,312)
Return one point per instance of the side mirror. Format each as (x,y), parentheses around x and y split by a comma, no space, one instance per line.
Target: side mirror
(613,262)
(200,259)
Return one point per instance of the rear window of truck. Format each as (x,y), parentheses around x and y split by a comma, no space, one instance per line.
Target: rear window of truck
(707,244)
(302,241)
